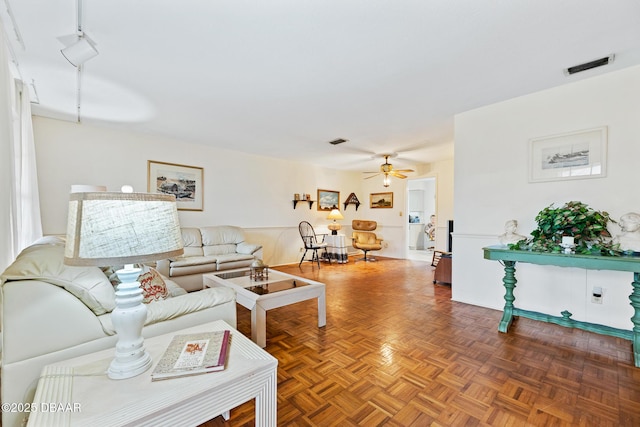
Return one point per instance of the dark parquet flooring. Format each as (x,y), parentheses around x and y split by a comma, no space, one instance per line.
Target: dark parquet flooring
(396,351)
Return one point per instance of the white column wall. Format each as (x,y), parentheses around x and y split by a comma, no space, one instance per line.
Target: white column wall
(491,186)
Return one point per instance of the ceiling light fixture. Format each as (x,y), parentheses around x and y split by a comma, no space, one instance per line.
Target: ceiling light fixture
(82,50)
(79,48)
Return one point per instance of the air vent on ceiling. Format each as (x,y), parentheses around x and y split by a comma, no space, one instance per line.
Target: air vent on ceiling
(337,141)
(589,65)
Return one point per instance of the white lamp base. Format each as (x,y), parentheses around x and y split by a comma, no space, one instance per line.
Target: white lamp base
(128,319)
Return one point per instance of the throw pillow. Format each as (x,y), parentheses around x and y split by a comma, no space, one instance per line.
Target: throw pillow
(153,287)
(152,284)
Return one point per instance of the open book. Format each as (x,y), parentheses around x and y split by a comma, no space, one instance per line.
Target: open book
(193,354)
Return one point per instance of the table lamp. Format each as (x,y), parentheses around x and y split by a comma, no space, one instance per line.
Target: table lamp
(106,229)
(334,226)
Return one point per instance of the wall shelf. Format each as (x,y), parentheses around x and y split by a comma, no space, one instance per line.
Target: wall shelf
(352,200)
(295,203)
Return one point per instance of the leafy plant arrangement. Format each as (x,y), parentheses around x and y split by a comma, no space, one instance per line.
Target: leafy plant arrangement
(587,226)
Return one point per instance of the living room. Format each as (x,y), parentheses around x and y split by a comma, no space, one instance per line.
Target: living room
(488,190)
(486,183)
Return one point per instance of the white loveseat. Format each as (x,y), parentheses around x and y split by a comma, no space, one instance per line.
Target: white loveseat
(208,249)
(52,312)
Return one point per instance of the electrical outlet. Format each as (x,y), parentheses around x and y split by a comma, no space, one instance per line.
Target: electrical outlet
(597,294)
(301,249)
(386,245)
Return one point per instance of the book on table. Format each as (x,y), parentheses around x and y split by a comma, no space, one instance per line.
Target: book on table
(193,354)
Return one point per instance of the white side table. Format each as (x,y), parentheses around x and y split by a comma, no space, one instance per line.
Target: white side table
(337,248)
(82,394)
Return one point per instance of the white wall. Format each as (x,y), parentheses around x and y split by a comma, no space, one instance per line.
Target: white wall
(250,191)
(491,186)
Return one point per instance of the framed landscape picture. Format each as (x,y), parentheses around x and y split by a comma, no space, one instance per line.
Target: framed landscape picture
(184,182)
(573,155)
(381,200)
(328,200)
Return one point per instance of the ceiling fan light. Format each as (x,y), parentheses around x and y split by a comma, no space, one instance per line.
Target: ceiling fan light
(386,181)
(79,52)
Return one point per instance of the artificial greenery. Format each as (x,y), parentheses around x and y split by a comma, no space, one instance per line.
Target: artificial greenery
(587,226)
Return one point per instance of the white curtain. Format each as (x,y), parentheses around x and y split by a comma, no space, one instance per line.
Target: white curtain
(27,224)
(20,222)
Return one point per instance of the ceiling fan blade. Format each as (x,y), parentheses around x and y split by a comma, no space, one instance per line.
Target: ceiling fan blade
(403,170)
(371,176)
(397,175)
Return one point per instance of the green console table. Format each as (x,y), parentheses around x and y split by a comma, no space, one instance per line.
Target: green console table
(508,258)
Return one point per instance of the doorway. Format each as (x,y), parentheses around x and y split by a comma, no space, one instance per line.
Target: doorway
(422,220)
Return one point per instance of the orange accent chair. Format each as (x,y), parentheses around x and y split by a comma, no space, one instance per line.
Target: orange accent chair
(363,237)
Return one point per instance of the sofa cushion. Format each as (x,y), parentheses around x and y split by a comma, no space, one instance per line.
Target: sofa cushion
(221,235)
(192,241)
(172,308)
(192,260)
(44,261)
(247,248)
(174,289)
(219,249)
(223,259)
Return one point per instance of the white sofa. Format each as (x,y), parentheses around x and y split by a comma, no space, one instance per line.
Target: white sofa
(52,312)
(208,249)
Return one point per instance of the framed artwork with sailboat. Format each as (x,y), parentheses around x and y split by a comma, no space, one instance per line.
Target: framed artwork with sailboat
(573,155)
(184,182)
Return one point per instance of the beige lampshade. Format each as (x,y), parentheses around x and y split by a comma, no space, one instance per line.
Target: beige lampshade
(335,214)
(107,228)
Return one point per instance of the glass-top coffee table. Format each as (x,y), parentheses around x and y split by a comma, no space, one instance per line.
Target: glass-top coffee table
(279,290)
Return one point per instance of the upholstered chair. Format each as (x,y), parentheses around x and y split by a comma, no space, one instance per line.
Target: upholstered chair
(363,237)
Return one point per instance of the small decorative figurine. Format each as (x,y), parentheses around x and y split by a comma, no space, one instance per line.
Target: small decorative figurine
(629,238)
(259,271)
(430,228)
(568,243)
(510,235)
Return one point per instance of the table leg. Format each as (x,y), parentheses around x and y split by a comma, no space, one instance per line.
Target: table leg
(259,325)
(509,281)
(322,309)
(635,303)
(266,403)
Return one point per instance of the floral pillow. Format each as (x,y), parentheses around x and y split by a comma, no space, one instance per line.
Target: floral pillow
(153,287)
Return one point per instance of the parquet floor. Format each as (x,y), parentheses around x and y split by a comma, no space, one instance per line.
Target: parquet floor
(397,351)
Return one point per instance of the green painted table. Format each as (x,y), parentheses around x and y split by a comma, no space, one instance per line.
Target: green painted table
(508,258)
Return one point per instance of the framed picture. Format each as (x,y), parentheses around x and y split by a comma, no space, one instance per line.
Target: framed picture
(328,200)
(574,155)
(184,182)
(381,200)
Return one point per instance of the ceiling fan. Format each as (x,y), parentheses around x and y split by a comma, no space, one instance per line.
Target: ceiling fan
(387,169)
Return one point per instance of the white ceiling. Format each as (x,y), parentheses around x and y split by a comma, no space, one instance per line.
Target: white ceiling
(281,78)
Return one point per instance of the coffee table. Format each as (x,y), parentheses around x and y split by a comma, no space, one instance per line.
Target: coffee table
(279,290)
(78,391)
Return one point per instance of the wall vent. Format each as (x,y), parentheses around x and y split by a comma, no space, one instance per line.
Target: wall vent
(337,141)
(589,65)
